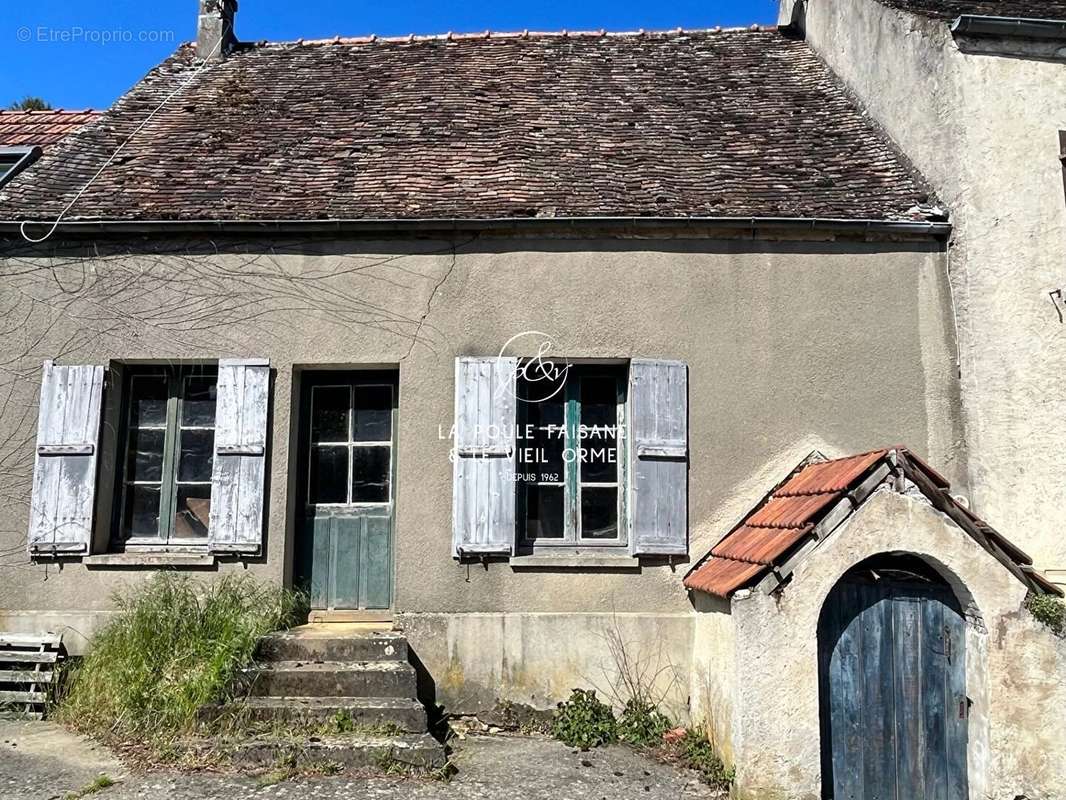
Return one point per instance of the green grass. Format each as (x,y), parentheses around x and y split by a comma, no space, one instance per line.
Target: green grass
(175,645)
(97,784)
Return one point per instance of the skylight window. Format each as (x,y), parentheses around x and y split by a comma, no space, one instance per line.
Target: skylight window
(14,159)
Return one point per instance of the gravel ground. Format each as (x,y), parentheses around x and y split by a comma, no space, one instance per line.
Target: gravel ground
(42,761)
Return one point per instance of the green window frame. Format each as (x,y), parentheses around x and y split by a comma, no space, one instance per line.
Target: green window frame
(581,488)
(168,443)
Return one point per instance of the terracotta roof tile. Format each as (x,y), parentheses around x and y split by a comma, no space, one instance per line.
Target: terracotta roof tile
(772,532)
(779,523)
(682,124)
(719,573)
(40,128)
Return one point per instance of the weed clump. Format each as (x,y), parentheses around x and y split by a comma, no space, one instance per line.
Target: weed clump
(174,645)
(695,751)
(642,724)
(1049,610)
(584,721)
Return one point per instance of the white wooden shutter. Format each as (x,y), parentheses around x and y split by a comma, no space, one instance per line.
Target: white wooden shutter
(658,466)
(239,473)
(483,500)
(64,472)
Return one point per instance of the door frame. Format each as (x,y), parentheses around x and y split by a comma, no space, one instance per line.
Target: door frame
(308,378)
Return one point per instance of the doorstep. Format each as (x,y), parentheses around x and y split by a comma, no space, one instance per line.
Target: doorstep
(382,619)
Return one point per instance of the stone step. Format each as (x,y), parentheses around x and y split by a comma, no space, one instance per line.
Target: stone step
(417,751)
(321,645)
(408,715)
(333,679)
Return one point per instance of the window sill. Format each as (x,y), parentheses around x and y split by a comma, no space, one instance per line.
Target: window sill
(575,562)
(148,559)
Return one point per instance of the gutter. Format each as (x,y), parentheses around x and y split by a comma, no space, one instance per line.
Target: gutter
(1009,28)
(88,227)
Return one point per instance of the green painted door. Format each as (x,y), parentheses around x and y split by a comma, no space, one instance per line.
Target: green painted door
(347,462)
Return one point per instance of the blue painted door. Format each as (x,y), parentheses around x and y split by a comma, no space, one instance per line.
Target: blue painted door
(893,693)
(347,469)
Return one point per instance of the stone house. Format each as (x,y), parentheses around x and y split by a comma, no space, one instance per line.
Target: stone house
(494,337)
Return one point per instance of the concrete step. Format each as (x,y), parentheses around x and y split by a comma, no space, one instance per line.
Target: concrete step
(407,715)
(318,643)
(333,679)
(418,751)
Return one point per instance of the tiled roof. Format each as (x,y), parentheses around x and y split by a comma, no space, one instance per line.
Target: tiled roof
(950,9)
(785,518)
(735,123)
(41,128)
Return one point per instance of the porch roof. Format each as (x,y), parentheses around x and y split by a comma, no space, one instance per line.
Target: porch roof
(820,490)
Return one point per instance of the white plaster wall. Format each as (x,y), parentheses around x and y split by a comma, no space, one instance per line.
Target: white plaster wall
(1015,668)
(984,130)
(713,676)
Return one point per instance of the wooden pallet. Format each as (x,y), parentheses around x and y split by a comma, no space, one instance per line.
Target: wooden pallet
(27,667)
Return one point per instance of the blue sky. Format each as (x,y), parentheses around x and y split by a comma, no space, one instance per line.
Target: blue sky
(79,54)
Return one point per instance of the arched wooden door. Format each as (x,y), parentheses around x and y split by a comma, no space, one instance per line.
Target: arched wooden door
(892,670)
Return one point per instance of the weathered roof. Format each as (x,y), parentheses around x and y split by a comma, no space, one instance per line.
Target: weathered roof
(950,9)
(737,123)
(40,128)
(788,517)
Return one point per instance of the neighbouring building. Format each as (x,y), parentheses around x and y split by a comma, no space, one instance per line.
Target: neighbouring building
(504,338)
(974,92)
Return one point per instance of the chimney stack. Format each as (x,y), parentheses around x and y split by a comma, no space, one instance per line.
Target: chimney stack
(214,33)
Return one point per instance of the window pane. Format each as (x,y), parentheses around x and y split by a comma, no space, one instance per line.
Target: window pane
(542,453)
(599,428)
(373,414)
(192,512)
(198,401)
(329,475)
(544,512)
(599,513)
(599,458)
(329,413)
(145,460)
(148,400)
(197,455)
(370,474)
(142,511)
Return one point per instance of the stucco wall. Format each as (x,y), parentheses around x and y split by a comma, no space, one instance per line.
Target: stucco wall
(984,130)
(846,342)
(714,672)
(1015,667)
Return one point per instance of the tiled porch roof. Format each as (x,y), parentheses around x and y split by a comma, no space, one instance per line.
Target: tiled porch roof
(787,518)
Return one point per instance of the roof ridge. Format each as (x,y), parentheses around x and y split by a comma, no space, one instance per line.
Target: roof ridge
(51,111)
(372,38)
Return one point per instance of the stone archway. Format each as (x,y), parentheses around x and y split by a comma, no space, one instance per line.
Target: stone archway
(892,683)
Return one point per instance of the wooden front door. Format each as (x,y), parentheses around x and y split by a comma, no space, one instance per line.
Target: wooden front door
(347,475)
(893,691)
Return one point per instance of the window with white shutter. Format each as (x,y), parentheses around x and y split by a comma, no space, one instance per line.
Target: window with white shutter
(483,503)
(597,460)
(64,474)
(658,474)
